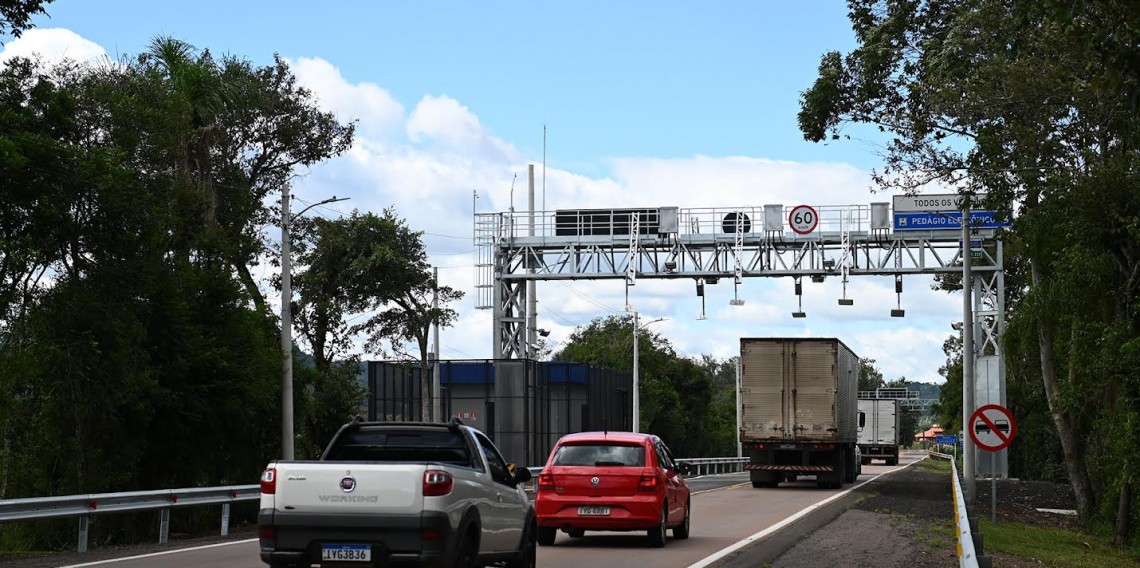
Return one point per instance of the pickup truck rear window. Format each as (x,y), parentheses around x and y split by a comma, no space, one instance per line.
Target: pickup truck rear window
(389,445)
(600,455)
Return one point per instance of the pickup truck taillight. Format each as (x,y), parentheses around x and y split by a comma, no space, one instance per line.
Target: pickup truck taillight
(546,482)
(269,481)
(437,483)
(647,483)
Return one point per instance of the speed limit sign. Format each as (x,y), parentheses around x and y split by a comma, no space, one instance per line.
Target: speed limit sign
(803,219)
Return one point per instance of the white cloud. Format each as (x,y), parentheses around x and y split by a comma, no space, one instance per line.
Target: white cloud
(426,163)
(378,113)
(53,45)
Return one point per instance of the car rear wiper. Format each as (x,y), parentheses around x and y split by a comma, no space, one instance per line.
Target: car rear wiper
(605,463)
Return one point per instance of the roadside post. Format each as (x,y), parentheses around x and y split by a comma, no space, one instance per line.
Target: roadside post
(992,428)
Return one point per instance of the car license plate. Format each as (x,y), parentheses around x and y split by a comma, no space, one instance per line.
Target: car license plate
(593,511)
(787,446)
(346,552)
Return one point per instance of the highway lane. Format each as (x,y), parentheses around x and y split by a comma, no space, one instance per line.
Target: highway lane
(726,511)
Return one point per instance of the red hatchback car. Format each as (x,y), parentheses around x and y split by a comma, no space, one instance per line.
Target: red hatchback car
(612,481)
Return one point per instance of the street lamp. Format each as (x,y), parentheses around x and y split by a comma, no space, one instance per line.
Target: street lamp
(636,377)
(287,438)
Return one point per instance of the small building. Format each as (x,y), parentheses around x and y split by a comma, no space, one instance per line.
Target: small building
(525,406)
(927,438)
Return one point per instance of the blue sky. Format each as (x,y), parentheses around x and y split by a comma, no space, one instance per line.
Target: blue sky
(645,104)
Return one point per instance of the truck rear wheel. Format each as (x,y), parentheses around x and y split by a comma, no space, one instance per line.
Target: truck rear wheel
(762,479)
(852,468)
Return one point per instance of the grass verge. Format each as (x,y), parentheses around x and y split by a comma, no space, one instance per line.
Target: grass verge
(1054,547)
(934,465)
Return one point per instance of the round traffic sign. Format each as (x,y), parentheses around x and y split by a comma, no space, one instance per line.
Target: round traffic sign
(803,219)
(992,427)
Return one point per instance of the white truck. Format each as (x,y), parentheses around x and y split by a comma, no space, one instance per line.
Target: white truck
(879,436)
(798,411)
(398,494)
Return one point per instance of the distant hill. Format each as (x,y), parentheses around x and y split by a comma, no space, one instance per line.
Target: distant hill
(927,391)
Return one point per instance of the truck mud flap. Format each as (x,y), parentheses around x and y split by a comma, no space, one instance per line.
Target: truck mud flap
(811,468)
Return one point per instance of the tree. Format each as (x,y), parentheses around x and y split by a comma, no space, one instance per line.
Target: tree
(676,393)
(1034,105)
(870,378)
(16,15)
(948,409)
(410,318)
(129,355)
(908,417)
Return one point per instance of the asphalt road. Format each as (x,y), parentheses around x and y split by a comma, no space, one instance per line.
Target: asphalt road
(730,519)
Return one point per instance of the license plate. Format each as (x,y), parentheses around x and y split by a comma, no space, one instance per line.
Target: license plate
(593,511)
(787,446)
(346,552)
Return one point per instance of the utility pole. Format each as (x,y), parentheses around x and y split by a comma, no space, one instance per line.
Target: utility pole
(636,380)
(437,406)
(286,333)
(969,469)
(287,435)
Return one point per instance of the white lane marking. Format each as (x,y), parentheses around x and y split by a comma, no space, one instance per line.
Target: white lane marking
(163,553)
(716,556)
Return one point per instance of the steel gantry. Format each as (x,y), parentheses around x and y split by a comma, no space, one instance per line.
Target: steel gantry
(708,244)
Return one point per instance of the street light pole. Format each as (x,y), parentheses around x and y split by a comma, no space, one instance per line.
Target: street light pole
(286,334)
(636,380)
(287,435)
(636,376)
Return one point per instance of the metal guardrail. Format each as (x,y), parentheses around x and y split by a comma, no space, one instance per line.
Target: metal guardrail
(84,506)
(968,556)
(708,466)
(701,466)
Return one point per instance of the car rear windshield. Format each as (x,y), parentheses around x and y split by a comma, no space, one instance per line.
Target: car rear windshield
(600,454)
(392,445)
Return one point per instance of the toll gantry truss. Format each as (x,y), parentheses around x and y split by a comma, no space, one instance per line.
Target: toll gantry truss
(709,244)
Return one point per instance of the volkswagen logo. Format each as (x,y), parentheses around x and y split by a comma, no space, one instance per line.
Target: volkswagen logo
(595,481)
(347,484)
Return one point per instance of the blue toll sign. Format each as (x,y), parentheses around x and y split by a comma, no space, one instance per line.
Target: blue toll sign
(948,221)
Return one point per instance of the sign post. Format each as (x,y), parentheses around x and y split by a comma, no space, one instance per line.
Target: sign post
(992,428)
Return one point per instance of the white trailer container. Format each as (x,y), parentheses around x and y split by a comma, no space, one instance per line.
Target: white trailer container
(879,436)
(799,414)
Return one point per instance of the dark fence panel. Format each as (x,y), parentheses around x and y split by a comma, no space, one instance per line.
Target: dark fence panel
(523,405)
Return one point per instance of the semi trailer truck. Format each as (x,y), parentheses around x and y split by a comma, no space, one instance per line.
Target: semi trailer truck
(799,412)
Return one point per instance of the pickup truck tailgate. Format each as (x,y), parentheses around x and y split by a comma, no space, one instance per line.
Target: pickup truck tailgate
(312,487)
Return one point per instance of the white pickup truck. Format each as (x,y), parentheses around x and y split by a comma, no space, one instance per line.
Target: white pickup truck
(398,494)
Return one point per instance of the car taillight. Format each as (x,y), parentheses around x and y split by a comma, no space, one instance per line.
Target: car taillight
(269,481)
(267,533)
(546,481)
(437,483)
(647,483)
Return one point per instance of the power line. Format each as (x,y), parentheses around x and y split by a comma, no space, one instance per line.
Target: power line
(558,315)
(589,299)
(459,351)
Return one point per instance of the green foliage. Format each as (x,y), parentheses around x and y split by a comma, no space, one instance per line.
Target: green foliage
(16,15)
(870,378)
(1035,105)
(130,355)
(689,404)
